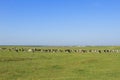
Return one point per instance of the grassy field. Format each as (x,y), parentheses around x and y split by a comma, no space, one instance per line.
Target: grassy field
(60,66)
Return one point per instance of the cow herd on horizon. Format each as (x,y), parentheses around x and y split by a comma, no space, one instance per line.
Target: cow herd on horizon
(33,50)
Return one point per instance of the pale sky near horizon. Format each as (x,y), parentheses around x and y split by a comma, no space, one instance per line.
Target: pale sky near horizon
(59,22)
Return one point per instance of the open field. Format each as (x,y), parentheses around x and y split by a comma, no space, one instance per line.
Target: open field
(60,66)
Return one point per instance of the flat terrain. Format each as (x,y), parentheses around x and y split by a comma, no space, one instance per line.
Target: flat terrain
(60,66)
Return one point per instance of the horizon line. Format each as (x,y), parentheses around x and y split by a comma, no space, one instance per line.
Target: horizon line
(59,45)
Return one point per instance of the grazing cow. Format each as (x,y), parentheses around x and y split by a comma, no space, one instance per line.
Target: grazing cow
(16,50)
(104,51)
(68,50)
(31,50)
(3,48)
(90,51)
(99,51)
(22,50)
(61,50)
(117,51)
(84,51)
(75,51)
(9,49)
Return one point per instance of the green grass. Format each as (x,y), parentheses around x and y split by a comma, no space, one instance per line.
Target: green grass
(59,66)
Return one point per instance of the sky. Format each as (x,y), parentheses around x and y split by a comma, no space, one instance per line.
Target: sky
(60,22)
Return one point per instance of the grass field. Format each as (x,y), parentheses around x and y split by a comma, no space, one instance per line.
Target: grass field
(60,66)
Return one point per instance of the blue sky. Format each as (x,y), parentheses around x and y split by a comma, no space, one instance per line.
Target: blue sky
(59,22)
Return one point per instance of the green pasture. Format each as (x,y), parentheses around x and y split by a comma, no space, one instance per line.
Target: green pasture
(60,66)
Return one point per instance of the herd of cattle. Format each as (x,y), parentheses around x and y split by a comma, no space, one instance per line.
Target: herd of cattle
(59,50)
